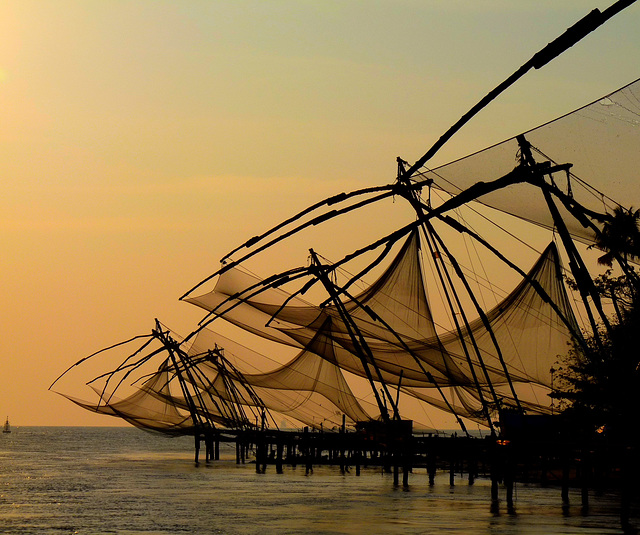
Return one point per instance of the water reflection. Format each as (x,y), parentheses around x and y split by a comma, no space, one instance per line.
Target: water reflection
(55,481)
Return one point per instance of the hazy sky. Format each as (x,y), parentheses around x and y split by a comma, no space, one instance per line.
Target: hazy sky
(142,139)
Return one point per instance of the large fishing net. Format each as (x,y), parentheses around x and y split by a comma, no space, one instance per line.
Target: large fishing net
(601,142)
(385,336)
(532,327)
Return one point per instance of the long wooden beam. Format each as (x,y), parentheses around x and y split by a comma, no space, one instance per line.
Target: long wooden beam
(562,43)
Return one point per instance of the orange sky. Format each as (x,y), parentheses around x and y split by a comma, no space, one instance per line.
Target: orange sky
(140,140)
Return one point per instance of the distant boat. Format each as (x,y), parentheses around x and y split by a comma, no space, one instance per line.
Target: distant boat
(6,428)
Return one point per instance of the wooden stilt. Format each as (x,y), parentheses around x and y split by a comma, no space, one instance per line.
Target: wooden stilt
(307,452)
(494,476)
(431,468)
(473,468)
(387,460)
(544,477)
(258,456)
(407,456)
(279,450)
(494,488)
(263,468)
(565,478)
(207,447)
(396,468)
(406,468)
(508,482)
(625,491)
(342,440)
(584,481)
(508,463)
(452,471)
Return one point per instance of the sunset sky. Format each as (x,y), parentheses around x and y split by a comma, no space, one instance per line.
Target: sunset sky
(140,140)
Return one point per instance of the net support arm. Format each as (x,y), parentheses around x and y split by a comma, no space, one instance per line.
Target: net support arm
(570,37)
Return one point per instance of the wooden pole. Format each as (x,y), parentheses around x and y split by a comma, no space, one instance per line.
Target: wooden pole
(307,452)
(509,482)
(279,450)
(452,471)
(473,466)
(431,468)
(584,480)
(406,464)
(258,454)
(570,37)
(626,488)
(342,440)
(565,478)
(493,454)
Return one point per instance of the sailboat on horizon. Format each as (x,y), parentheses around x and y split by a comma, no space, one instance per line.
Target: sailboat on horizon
(6,428)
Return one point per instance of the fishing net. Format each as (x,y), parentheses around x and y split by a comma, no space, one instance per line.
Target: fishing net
(151,406)
(309,389)
(385,335)
(601,142)
(532,326)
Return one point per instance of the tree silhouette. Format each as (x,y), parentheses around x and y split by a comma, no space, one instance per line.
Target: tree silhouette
(620,237)
(598,382)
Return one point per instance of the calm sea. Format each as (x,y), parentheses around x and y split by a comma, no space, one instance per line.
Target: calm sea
(59,480)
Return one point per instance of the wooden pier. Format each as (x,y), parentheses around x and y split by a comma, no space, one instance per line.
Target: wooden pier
(547,460)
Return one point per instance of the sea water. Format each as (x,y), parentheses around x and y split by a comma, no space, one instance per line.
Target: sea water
(64,480)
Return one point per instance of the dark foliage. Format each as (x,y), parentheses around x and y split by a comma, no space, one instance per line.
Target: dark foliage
(599,384)
(620,237)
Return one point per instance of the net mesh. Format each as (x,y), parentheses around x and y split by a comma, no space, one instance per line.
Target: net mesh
(601,140)
(394,318)
(386,333)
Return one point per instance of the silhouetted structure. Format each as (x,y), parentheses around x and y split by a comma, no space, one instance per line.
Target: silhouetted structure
(494,366)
